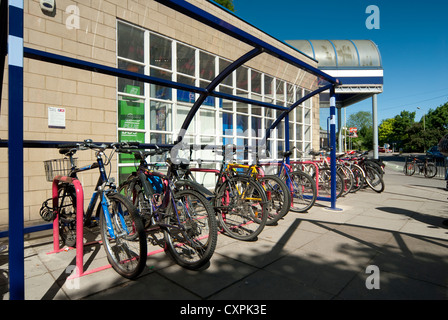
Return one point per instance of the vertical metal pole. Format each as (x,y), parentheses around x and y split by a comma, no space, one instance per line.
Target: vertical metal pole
(3,41)
(287,136)
(333,146)
(375,125)
(339,130)
(15,151)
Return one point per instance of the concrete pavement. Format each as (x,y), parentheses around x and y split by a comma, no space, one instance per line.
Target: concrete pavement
(392,245)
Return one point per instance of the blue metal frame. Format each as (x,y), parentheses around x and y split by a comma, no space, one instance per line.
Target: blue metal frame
(3,40)
(292,107)
(212,85)
(15,144)
(221,25)
(15,151)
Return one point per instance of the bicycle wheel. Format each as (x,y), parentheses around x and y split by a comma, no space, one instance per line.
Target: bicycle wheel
(348,178)
(241,205)
(125,242)
(324,180)
(374,165)
(430,170)
(409,168)
(374,180)
(358,175)
(279,198)
(303,191)
(67,214)
(132,190)
(190,229)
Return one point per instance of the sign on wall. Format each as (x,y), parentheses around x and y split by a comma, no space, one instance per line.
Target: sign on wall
(56,117)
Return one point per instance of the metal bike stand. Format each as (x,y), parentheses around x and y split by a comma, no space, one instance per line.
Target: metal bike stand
(79,222)
(317,178)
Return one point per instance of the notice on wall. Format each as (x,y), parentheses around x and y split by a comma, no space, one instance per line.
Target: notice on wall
(56,117)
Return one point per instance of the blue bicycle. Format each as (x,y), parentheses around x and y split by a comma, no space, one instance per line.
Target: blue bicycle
(301,185)
(122,233)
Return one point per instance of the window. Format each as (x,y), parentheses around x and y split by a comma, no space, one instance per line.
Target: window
(154,113)
(185,60)
(206,66)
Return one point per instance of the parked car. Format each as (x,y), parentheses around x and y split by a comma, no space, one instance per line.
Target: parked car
(386,150)
(434,152)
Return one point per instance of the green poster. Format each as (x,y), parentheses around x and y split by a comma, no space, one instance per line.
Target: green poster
(133,137)
(131,112)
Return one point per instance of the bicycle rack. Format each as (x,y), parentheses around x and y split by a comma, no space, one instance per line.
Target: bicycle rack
(317,177)
(79,222)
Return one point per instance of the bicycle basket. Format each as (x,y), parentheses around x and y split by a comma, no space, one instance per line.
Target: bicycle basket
(57,167)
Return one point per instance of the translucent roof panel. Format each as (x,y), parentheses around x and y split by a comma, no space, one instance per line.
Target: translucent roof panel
(368,53)
(340,53)
(346,53)
(324,53)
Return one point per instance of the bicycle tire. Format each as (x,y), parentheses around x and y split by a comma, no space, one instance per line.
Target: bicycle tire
(430,170)
(375,165)
(127,251)
(241,218)
(192,243)
(132,190)
(279,198)
(348,178)
(324,180)
(67,214)
(409,168)
(303,191)
(374,180)
(359,178)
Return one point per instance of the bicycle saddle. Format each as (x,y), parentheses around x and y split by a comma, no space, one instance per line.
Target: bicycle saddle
(285,153)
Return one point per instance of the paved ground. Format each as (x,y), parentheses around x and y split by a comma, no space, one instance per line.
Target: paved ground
(323,254)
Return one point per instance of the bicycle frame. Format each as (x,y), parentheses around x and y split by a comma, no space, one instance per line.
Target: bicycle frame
(99,192)
(284,170)
(143,173)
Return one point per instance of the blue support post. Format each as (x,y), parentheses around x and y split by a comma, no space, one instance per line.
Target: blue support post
(287,136)
(333,147)
(15,151)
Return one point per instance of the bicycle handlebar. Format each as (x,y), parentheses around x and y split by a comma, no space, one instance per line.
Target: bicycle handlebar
(89,144)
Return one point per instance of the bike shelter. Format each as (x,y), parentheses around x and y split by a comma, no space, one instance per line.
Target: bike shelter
(13,46)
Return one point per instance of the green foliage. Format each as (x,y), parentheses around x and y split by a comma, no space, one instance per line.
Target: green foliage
(385,131)
(226,4)
(404,132)
(363,121)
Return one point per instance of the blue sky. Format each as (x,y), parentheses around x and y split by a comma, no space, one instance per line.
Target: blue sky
(412,39)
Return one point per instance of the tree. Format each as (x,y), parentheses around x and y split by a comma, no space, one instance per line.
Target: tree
(385,131)
(438,118)
(402,123)
(363,121)
(226,4)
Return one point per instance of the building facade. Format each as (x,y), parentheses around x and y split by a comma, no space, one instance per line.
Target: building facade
(62,103)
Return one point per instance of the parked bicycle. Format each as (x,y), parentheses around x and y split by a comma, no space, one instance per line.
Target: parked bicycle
(278,195)
(239,200)
(122,233)
(425,166)
(372,172)
(185,217)
(301,185)
(343,180)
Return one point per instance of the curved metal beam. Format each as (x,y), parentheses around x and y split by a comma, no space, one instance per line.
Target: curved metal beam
(221,25)
(292,107)
(212,85)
